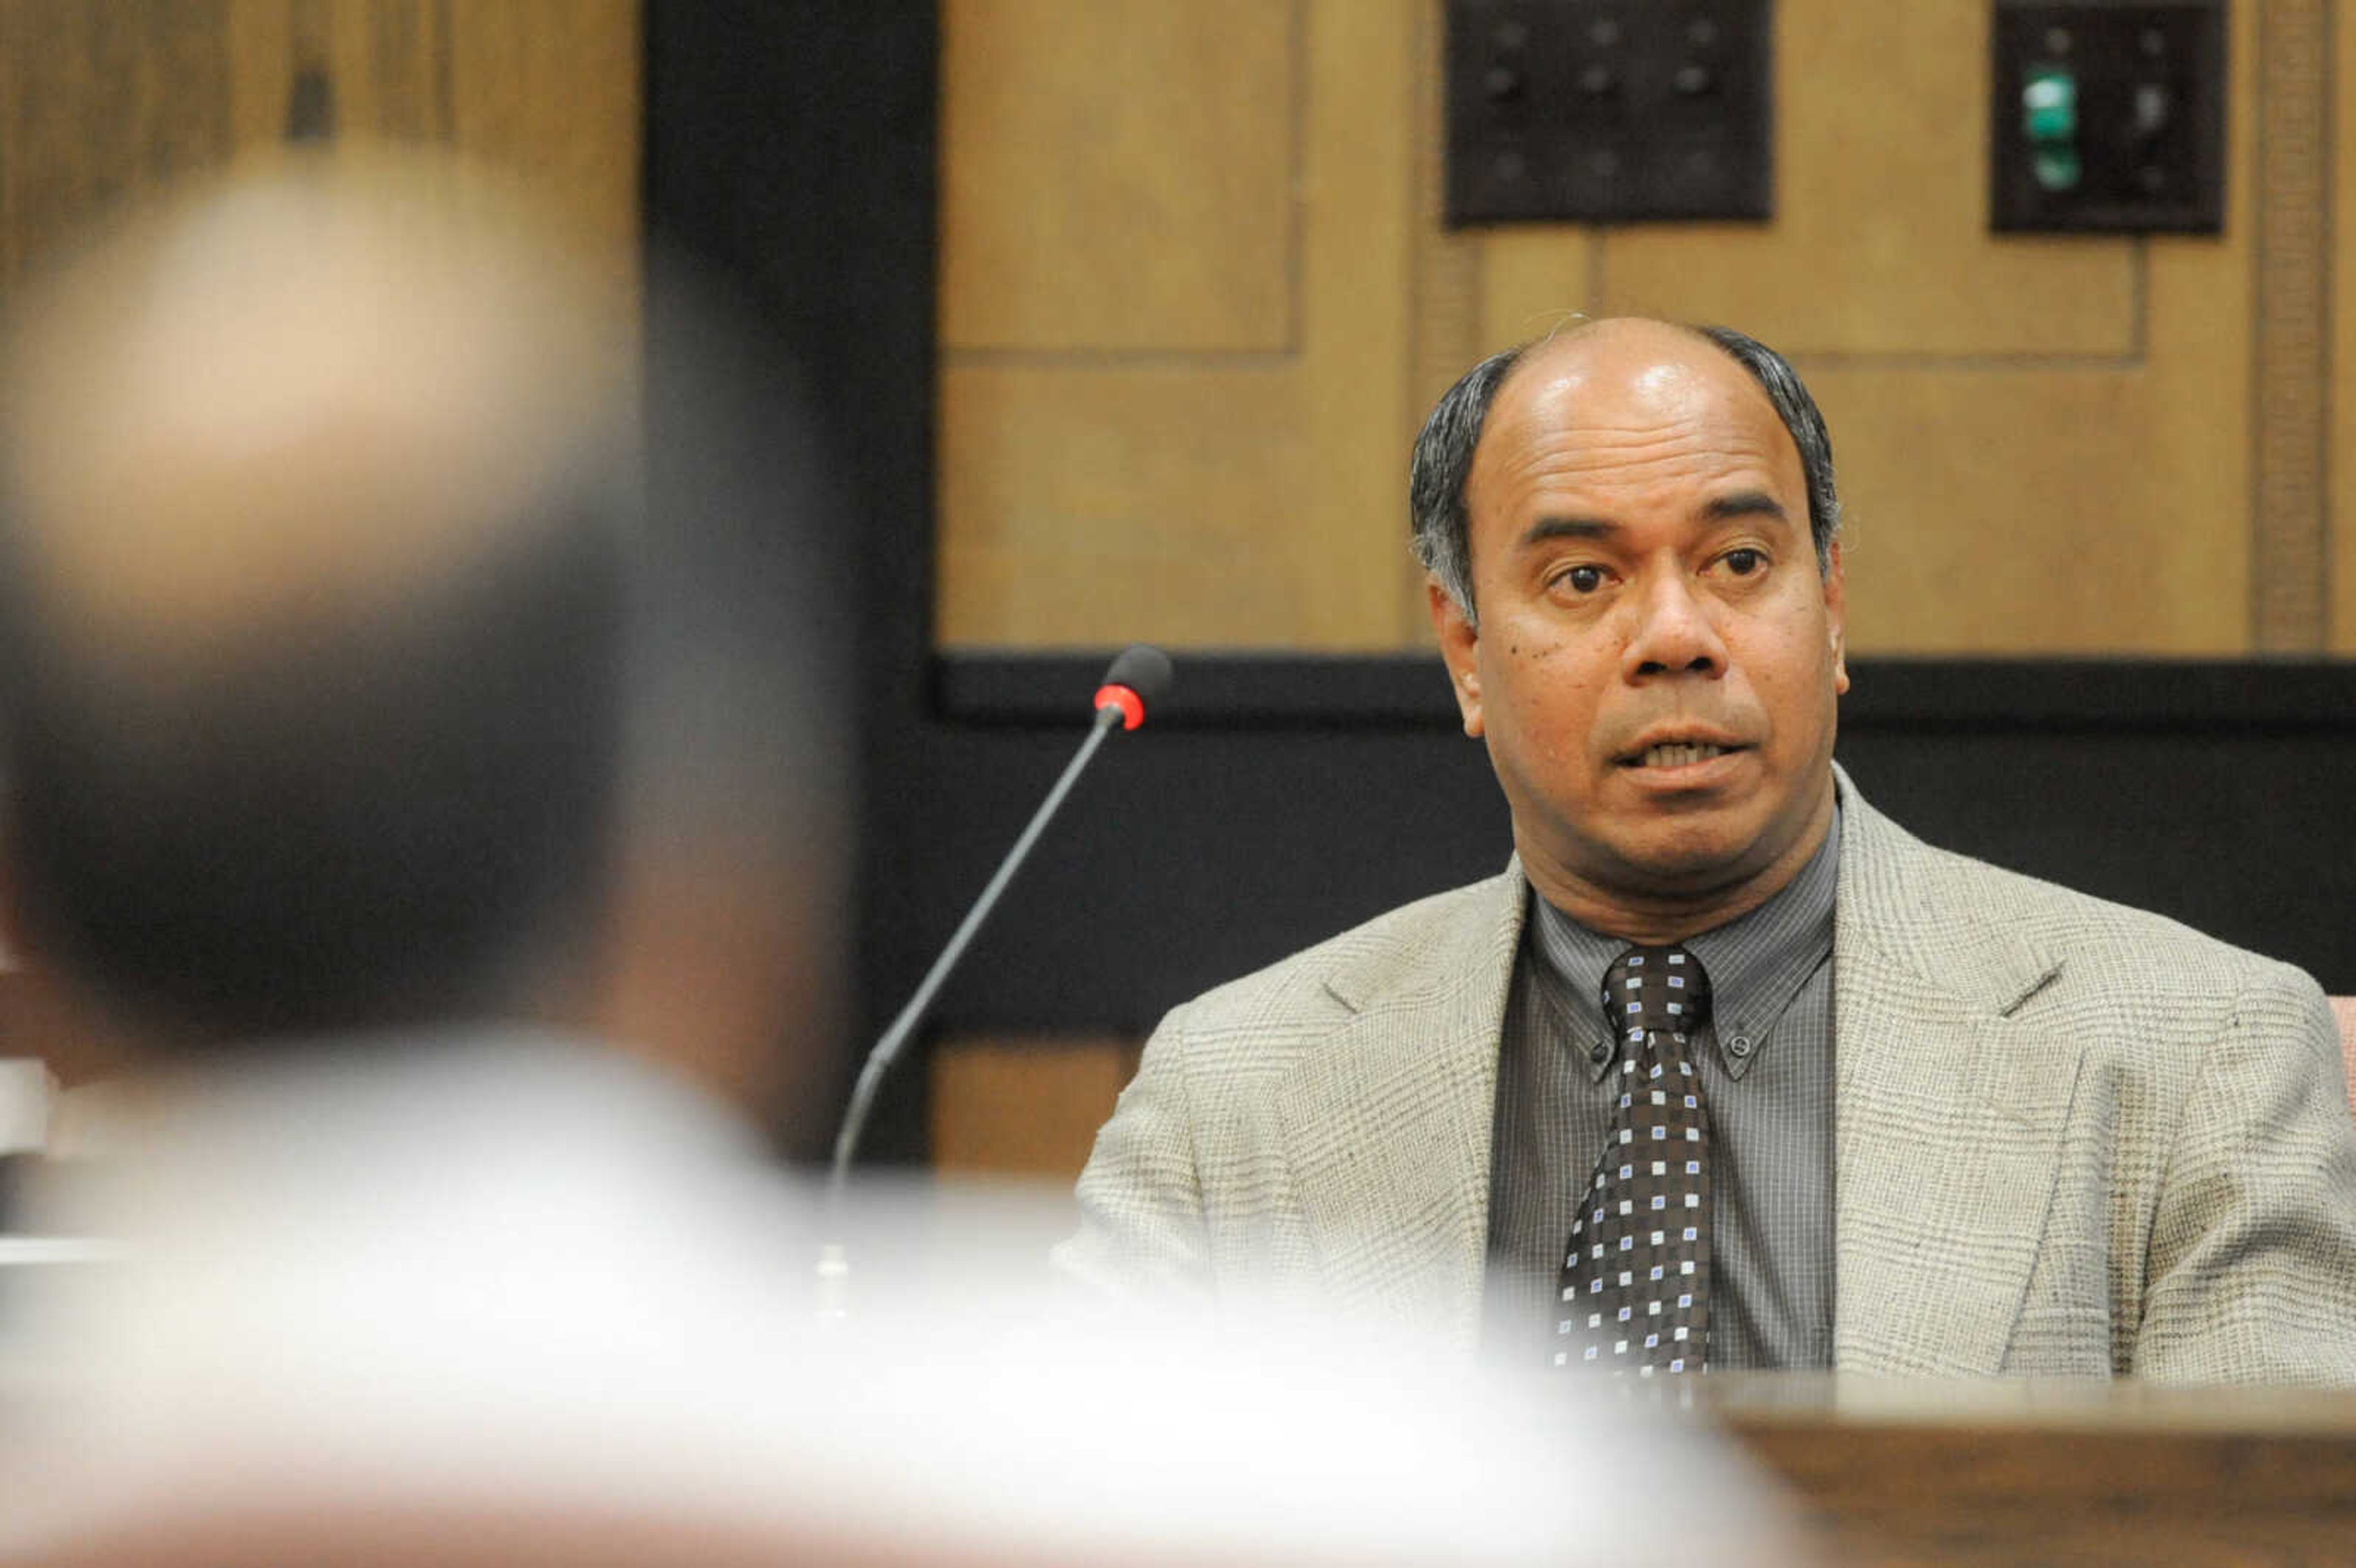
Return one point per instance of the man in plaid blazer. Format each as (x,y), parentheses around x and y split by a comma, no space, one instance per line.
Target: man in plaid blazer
(2064,1136)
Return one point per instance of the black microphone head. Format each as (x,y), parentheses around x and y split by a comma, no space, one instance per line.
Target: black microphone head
(1144,670)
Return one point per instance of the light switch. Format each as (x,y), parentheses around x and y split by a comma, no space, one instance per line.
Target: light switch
(2049,118)
(2107,117)
(2049,105)
(1608,110)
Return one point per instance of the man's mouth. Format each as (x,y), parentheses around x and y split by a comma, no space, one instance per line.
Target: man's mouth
(1677,756)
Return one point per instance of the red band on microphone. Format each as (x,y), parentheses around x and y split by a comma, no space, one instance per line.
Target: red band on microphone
(1131,706)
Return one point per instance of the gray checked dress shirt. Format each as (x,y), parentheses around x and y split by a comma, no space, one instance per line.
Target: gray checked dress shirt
(1766,1066)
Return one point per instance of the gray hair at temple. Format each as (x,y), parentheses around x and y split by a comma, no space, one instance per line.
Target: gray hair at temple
(1443,454)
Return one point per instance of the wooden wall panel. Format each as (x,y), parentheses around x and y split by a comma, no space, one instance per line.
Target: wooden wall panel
(1158,518)
(2342,449)
(2062,504)
(1880,243)
(1533,280)
(2290,346)
(1094,490)
(385,66)
(98,103)
(550,91)
(1024,1106)
(1120,175)
(1959,484)
(2048,444)
(104,103)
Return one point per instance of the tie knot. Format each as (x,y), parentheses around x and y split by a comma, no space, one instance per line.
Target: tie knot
(1655,988)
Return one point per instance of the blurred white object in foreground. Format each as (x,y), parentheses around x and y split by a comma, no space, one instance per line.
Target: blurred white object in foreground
(527,1281)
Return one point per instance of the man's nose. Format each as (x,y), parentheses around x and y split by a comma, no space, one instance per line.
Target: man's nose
(1674,631)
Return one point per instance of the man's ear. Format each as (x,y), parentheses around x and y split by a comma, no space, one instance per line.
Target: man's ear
(1460,647)
(1836,616)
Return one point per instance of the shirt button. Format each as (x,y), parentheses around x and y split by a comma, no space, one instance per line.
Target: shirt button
(1599,1051)
(1739,1046)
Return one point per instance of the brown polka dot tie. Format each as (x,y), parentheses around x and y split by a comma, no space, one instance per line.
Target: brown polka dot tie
(1636,1273)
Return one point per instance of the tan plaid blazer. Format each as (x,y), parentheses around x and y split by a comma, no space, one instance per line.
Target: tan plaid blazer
(2071,1137)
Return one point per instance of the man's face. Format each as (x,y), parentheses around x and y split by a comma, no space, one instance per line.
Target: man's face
(1658,657)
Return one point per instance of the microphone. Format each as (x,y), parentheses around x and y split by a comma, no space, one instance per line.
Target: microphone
(1136,680)
(1139,679)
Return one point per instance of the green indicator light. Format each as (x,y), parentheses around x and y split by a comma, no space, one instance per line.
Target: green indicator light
(2056,168)
(2049,106)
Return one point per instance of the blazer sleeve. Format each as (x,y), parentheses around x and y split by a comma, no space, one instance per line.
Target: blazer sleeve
(1141,1224)
(2251,1272)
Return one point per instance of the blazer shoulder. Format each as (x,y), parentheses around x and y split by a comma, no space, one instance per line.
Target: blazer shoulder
(1943,907)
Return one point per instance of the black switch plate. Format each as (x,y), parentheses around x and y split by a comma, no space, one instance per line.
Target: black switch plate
(1609,110)
(2149,107)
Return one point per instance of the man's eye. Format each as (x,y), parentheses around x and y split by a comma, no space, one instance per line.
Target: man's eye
(1743,562)
(1584,579)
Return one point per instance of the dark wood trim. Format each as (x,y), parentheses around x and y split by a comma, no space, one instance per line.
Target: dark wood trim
(1946,696)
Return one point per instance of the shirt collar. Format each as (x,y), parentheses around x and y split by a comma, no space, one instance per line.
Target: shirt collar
(1756,963)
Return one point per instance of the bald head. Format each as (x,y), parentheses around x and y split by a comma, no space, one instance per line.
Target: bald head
(1648,358)
(295,399)
(1633,352)
(315,499)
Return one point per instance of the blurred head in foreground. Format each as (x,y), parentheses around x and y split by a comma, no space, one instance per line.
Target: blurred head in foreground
(317,507)
(330,636)
(343,695)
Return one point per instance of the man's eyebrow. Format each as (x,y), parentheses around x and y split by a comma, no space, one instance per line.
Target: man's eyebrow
(1744,504)
(1566,528)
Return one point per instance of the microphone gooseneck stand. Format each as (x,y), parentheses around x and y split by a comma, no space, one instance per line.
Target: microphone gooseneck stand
(1138,676)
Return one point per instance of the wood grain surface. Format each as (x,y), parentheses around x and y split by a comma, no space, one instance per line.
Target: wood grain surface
(2027,1474)
(101,104)
(2048,444)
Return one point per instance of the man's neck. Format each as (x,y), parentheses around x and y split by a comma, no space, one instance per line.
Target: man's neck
(1661,918)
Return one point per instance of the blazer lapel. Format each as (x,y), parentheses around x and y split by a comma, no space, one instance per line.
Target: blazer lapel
(1949,1111)
(1386,1128)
